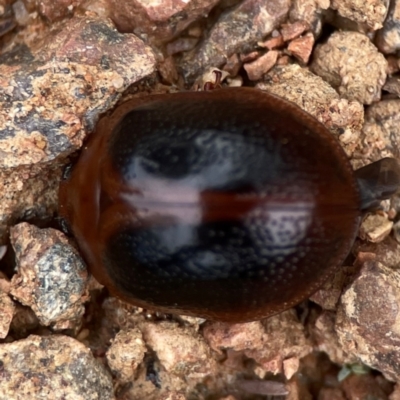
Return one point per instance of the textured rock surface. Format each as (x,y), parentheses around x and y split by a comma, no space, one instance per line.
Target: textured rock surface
(343,117)
(126,353)
(381,131)
(268,342)
(161,20)
(371,13)
(179,350)
(55,367)
(51,277)
(50,99)
(235,31)
(352,65)
(362,331)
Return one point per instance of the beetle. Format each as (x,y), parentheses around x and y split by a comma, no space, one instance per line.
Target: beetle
(231,205)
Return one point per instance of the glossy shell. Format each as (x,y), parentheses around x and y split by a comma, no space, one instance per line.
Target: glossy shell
(231,205)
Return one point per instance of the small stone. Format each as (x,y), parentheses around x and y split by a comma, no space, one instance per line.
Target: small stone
(56,10)
(376,227)
(329,294)
(256,69)
(294,30)
(368,314)
(51,277)
(52,367)
(381,130)
(393,65)
(161,20)
(272,43)
(318,98)
(181,351)
(126,353)
(372,13)
(237,337)
(99,7)
(283,338)
(249,57)
(311,12)
(24,320)
(352,65)
(301,47)
(326,339)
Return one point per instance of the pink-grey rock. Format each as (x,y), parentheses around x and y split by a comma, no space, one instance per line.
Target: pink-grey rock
(99,7)
(293,30)
(275,41)
(161,20)
(342,117)
(54,10)
(283,338)
(51,277)
(352,65)
(181,351)
(370,13)
(302,47)
(381,131)
(256,69)
(237,30)
(309,11)
(375,227)
(368,315)
(126,353)
(329,294)
(326,339)
(237,337)
(50,99)
(269,342)
(52,367)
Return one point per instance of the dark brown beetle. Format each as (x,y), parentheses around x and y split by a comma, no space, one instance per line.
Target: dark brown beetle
(231,205)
